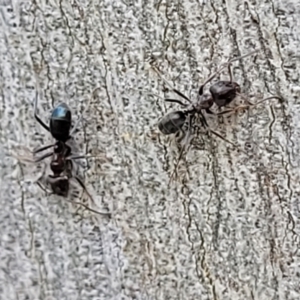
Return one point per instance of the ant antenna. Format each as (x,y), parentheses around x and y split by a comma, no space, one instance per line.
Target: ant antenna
(222,67)
(186,143)
(172,88)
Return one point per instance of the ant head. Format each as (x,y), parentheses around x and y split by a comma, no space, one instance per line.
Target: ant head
(223,92)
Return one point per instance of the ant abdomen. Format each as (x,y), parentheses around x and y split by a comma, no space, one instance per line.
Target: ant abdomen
(172,122)
(60,185)
(60,122)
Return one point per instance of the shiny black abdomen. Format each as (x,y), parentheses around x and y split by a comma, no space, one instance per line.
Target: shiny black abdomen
(59,185)
(172,122)
(60,122)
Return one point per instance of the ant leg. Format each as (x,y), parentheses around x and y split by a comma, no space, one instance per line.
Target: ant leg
(245,98)
(42,148)
(74,156)
(84,188)
(200,92)
(34,160)
(259,102)
(209,111)
(86,108)
(241,57)
(70,175)
(40,177)
(42,187)
(203,120)
(268,98)
(220,113)
(90,196)
(229,63)
(42,157)
(75,126)
(231,143)
(176,101)
(36,115)
(230,72)
(221,68)
(90,209)
(249,105)
(168,100)
(187,140)
(172,88)
(182,95)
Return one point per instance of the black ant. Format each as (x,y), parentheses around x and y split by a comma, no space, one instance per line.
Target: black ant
(221,93)
(61,163)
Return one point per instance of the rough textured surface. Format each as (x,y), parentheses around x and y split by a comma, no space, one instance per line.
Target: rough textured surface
(228,228)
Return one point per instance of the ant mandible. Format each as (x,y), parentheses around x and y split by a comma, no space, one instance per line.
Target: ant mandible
(61,163)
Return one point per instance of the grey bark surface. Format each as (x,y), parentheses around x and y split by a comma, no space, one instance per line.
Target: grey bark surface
(227,228)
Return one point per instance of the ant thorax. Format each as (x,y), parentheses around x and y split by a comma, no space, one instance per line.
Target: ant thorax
(204,101)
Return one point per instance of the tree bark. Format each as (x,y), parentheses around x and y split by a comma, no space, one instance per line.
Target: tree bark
(226,227)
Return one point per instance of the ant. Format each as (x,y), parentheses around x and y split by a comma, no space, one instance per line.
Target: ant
(221,93)
(62,158)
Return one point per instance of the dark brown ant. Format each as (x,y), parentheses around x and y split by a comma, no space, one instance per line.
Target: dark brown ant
(62,158)
(221,93)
